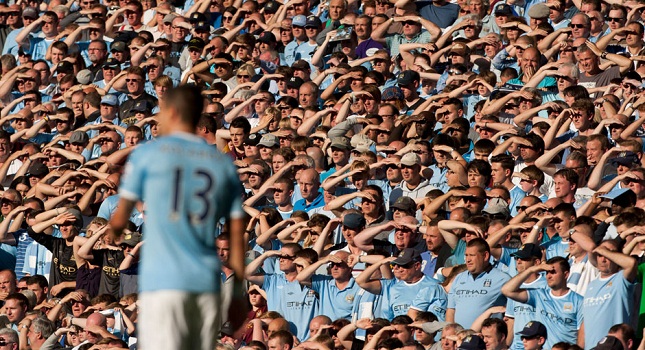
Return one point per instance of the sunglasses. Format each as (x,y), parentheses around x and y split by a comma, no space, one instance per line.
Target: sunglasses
(579,26)
(132,80)
(240,76)
(287,257)
(613,19)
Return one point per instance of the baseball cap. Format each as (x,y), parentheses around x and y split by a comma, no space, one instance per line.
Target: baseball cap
(609,343)
(533,329)
(267,38)
(405,204)
(271,7)
(503,9)
(627,158)
(294,82)
(472,342)
(252,140)
(203,26)
(407,77)
(300,65)
(268,66)
(354,221)
(410,159)
(65,67)
(227,329)
(539,10)
(313,21)
(392,93)
(169,18)
(38,169)
(111,63)
(131,239)
(269,140)
(109,100)
(298,21)
(497,206)
(406,256)
(197,17)
(528,251)
(340,142)
(79,137)
(118,46)
(196,43)
(460,49)
(84,76)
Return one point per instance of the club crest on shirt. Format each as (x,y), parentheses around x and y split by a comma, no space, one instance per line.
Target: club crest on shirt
(487,283)
(350,298)
(567,307)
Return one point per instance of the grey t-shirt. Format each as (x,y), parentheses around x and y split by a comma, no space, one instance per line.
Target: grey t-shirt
(601,79)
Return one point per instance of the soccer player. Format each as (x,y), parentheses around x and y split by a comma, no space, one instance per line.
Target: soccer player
(187,186)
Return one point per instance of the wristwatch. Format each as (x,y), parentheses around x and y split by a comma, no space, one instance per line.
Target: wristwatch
(603,55)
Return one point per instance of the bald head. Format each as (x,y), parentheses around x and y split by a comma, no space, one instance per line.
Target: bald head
(309,182)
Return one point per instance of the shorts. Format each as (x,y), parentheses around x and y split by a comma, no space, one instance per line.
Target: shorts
(177,320)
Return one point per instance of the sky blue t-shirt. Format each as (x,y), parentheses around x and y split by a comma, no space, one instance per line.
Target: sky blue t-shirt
(187,186)
(470,297)
(399,295)
(562,316)
(298,304)
(610,298)
(433,299)
(335,303)
(522,313)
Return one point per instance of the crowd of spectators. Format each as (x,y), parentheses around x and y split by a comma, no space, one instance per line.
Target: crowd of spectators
(418,174)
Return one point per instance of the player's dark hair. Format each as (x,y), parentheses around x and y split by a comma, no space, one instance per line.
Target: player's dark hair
(187,101)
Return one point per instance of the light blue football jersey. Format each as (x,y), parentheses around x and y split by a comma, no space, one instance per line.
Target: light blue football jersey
(187,187)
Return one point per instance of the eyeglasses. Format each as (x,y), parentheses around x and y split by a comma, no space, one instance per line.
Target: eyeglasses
(132,80)
(180,28)
(613,19)
(15,14)
(629,86)
(521,207)
(574,25)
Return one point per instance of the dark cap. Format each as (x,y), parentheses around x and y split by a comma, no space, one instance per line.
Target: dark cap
(301,65)
(533,329)
(65,67)
(407,256)
(313,21)
(407,77)
(503,9)
(271,7)
(267,38)
(609,343)
(227,329)
(528,251)
(253,140)
(111,63)
(354,221)
(196,43)
(627,158)
(38,170)
(79,137)
(203,26)
(118,46)
(294,82)
(472,342)
(405,204)
(460,49)
(131,239)
(197,17)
